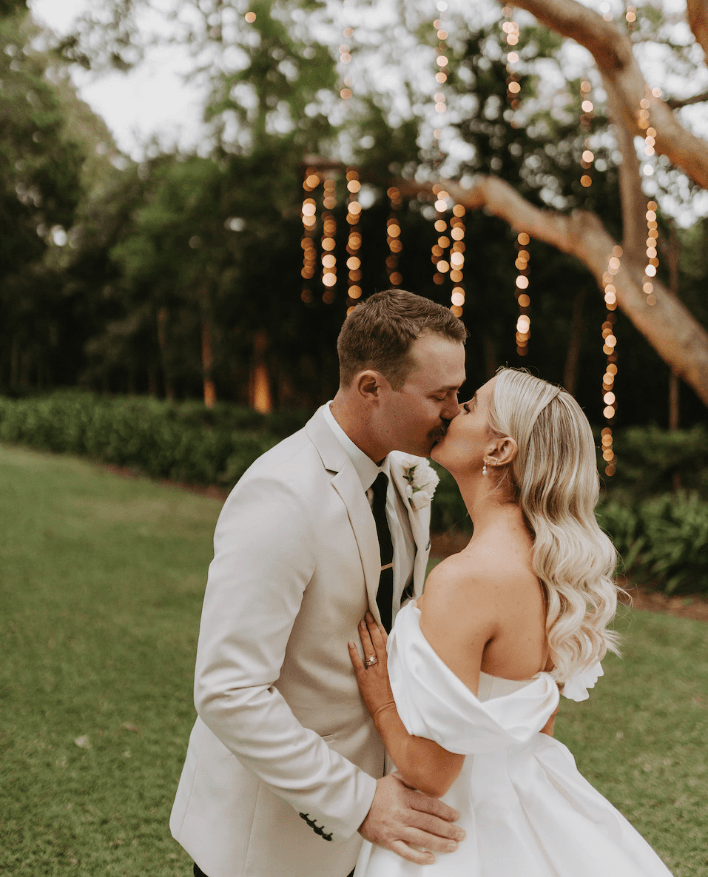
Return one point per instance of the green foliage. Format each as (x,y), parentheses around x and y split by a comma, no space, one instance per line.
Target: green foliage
(160,439)
(653,460)
(662,541)
(40,187)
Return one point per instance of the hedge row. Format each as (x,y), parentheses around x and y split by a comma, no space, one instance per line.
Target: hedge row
(663,539)
(180,442)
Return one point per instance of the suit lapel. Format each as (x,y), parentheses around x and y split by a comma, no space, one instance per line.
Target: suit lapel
(419,519)
(347,484)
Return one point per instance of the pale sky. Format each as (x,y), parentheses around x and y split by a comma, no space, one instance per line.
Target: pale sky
(150,101)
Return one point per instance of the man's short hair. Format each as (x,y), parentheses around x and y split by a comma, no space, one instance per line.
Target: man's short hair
(378,334)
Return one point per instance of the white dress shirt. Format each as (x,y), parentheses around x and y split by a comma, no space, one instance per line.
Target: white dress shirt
(396,512)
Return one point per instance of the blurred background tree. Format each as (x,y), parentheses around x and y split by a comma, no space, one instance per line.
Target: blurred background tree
(182,272)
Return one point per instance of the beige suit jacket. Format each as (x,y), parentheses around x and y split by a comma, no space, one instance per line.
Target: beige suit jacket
(282,760)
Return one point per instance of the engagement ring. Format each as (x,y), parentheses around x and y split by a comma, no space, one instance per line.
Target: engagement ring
(371,661)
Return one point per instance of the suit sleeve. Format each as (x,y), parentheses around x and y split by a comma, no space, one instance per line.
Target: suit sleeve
(264,557)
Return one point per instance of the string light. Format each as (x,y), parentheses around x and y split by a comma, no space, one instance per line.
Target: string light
(652,263)
(457,259)
(631,17)
(513,86)
(606,10)
(523,323)
(354,290)
(442,74)
(329,231)
(309,221)
(354,238)
(588,157)
(393,238)
(449,239)
(609,348)
(442,265)
(250,17)
(345,57)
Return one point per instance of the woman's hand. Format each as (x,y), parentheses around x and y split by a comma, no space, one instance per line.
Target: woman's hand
(372,677)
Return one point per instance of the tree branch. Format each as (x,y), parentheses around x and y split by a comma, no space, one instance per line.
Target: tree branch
(612,50)
(676,103)
(668,326)
(697,14)
(632,197)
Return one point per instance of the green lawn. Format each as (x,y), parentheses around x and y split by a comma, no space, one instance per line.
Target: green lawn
(101,581)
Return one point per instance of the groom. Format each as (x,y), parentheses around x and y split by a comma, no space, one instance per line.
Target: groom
(284,773)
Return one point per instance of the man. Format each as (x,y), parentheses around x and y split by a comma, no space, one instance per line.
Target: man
(284,771)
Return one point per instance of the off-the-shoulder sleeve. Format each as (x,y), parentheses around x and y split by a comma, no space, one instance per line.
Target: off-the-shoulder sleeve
(576,688)
(435,704)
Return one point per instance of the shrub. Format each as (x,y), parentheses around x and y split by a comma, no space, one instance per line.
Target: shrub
(662,541)
(653,461)
(180,442)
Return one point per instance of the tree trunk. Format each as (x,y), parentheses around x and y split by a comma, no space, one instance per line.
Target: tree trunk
(612,51)
(207,353)
(491,358)
(162,318)
(570,373)
(674,385)
(261,398)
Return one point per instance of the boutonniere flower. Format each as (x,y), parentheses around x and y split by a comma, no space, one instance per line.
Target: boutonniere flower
(422,480)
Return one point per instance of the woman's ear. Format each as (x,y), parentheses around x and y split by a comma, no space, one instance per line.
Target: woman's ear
(502,451)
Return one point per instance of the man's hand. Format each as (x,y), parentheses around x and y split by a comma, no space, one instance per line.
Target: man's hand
(401,818)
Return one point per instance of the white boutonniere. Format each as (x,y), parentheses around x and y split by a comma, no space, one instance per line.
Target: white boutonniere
(422,480)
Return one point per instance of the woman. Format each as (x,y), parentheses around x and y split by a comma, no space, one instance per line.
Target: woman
(476,664)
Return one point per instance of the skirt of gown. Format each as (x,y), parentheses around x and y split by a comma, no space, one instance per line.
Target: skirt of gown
(525,808)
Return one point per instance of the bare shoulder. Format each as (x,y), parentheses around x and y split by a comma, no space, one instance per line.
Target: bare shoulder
(458,593)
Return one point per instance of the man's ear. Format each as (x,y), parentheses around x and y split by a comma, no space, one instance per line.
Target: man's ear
(368,385)
(502,451)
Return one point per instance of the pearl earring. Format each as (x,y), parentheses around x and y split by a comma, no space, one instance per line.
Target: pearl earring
(484,469)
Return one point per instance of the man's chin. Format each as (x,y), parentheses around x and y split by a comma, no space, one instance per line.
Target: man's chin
(436,442)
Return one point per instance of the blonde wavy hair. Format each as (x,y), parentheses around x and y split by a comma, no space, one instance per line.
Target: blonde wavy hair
(554,480)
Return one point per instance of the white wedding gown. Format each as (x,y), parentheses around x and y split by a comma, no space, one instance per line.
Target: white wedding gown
(526,810)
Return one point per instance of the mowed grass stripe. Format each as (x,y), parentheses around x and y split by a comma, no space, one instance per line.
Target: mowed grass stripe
(101,583)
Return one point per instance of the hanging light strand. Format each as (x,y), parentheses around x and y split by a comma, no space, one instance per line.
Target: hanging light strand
(588,156)
(442,265)
(648,168)
(609,348)
(457,259)
(521,291)
(393,238)
(354,237)
(345,57)
(329,232)
(442,74)
(511,31)
(309,221)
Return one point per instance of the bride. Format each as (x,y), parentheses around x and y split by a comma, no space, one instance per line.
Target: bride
(474,667)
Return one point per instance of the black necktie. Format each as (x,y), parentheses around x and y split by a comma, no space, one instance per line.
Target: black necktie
(384,595)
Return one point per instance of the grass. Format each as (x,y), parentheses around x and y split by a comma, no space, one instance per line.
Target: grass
(101,588)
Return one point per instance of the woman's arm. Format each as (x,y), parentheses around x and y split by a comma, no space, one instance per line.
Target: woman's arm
(423,764)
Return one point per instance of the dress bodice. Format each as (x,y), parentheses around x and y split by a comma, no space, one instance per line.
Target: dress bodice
(434,703)
(491,687)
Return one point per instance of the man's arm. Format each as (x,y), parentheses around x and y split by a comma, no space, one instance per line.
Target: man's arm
(264,558)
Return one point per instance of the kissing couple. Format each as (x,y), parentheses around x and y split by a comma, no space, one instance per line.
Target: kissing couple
(319,747)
